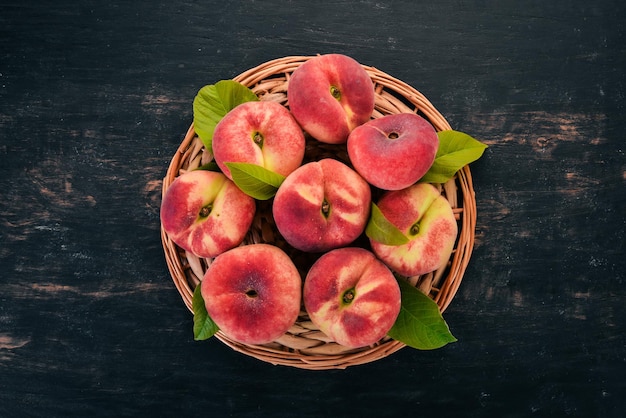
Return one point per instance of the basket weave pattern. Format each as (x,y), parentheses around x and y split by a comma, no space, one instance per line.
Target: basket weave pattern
(304,345)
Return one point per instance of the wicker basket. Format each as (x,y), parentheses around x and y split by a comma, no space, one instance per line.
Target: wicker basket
(305,346)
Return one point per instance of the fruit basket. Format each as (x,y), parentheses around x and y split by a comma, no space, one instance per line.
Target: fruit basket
(305,346)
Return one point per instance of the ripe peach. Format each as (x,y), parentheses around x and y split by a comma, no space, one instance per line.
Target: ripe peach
(330,95)
(205,213)
(426,218)
(252,293)
(351,296)
(322,205)
(262,133)
(394,151)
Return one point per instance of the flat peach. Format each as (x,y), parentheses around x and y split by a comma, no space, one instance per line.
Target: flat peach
(394,151)
(263,133)
(205,213)
(330,95)
(426,218)
(352,296)
(322,205)
(252,293)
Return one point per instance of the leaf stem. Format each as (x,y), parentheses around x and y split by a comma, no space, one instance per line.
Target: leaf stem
(206,210)
(325,208)
(348,296)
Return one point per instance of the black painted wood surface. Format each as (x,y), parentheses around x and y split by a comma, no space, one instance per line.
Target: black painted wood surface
(95,98)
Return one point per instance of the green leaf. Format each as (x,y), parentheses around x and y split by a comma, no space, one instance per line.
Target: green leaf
(381,230)
(210,166)
(456,150)
(254,180)
(203,326)
(213,102)
(420,324)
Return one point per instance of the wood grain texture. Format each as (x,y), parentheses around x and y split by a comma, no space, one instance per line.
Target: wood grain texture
(95,98)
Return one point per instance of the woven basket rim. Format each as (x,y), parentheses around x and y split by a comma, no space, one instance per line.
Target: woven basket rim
(269,80)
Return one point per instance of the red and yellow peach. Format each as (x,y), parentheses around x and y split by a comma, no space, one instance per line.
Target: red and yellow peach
(351,296)
(322,205)
(263,133)
(205,213)
(330,95)
(427,220)
(252,293)
(394,151)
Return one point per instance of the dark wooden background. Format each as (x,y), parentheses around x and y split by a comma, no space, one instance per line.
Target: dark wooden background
(95,97)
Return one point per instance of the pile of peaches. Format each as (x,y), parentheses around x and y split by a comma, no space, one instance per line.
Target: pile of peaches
(254,292)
